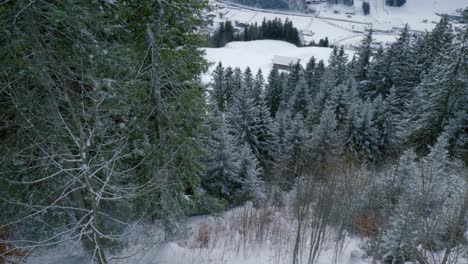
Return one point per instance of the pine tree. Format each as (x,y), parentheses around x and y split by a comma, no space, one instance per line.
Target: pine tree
(458,139)
(300,100)
(362,138)
(222,166)
(404,69)
(237,81)
(388,125)
(273,93)
(266,136)
(309,72)
(95,108)
(337,63)
(366,8)
(424,194)
(249,172)
(378,82)
(219,87)
(316,79)
(396,67)
(241,119)
(319,103)
(442,94)
(325,144)
(257,87)
(248,80)
(250,122)
(432,44)
(293,78)
(229,86)
(341,100)
(364,52)
(295,158)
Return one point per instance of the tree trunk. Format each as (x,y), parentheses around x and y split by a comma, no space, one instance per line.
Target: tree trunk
(456,228)
(155,69)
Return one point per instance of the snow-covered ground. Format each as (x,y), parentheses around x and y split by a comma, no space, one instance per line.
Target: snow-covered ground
(343,24)
(236,237)
(243,235)
(259,54)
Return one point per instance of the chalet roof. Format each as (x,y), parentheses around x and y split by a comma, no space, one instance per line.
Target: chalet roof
(285,61)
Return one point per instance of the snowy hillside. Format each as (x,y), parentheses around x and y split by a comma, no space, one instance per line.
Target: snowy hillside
(344,24)
(419,14)
(259,54)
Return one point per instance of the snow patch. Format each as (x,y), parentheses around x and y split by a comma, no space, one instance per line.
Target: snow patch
(259,54)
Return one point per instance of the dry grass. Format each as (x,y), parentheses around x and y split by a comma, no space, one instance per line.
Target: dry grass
(367,224)
(7,252)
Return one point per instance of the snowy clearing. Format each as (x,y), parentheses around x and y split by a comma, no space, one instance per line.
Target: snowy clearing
(242,235)
(259,54)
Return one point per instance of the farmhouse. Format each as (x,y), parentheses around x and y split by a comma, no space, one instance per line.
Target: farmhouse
(210,16)
(284,63)
(314,2)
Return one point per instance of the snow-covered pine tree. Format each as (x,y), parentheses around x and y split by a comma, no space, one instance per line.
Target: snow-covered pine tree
(442,94)
(316,79)
(106,148)
(400,238)
(252,187)
(257,86)
(378,77)
(325,144)
(327,87)
(273,91)
(342,98)
(250,122)
(364,53)
(426,194)
(241,119)
(300,99)
(397,3)
(366,7)
(218,93)
(293,78)
(285,93)
(362,137)
(430,45)
(309,71)
(265,131)
(248,80)
(458,138)
(446,205)
(221,166)
(237,82)
(228,86)
(295,159)
(388,125)
(337,63)
(404,69)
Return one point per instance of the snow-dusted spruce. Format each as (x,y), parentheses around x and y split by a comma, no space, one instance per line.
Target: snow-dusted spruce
(332,122)
(91,143)
(222,164)
(104,126)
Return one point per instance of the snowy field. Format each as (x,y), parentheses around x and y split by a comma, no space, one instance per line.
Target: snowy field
(344,23)
(259,54)
(419,14)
